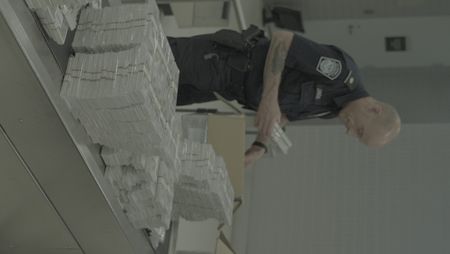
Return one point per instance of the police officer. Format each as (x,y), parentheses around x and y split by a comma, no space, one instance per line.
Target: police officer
(285,79)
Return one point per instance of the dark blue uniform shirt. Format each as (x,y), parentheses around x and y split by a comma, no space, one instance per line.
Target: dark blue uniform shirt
(317,81)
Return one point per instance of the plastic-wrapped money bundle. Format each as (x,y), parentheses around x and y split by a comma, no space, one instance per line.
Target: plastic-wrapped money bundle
(123,27)
(144,187)
(124,99)
(120,103)
(177,132)
(122,85)
(195,127)
(157,235)
(280,142)
(58,16)
(224,188)
(116,80)
(204,189)
(117,28)
(130,179)
(199,160)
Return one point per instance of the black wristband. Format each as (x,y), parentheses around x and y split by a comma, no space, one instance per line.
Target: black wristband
(262,145)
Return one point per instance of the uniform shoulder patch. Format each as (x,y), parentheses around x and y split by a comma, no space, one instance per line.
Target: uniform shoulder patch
(329,67)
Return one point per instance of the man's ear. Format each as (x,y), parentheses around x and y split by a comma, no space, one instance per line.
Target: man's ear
(348,120)
(376,108)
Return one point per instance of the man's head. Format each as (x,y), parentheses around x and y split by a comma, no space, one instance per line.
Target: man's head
(373,122)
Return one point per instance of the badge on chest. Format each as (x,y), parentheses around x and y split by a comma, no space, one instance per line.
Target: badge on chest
(329,67)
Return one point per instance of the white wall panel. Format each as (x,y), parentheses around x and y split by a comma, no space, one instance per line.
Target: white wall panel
(331,195)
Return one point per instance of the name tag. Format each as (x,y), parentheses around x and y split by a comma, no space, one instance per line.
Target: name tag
(350,81)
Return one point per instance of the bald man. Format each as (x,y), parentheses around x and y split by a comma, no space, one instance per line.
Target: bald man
(288,78)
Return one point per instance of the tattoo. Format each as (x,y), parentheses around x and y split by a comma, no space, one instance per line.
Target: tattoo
(279,57)
(274,65)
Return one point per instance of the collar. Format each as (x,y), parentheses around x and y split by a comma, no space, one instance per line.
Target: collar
(354,95)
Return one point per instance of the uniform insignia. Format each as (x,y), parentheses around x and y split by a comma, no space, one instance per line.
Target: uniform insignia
(322,114)
(350,81)
(329,67)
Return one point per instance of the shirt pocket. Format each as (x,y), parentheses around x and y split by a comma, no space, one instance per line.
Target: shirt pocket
(307,95)
(321,95)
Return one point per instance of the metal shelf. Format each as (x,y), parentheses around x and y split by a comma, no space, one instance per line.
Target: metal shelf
(59,156)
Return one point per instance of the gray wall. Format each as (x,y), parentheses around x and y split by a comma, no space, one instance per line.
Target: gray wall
(331,195)
(420,94)
(363,9)
(364,39)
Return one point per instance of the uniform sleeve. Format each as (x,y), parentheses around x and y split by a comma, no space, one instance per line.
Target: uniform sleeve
(316,59)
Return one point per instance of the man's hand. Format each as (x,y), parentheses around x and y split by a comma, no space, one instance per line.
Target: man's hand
(253,154)
(268,114)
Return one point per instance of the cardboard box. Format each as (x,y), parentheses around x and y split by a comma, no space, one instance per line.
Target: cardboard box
(223,246)
(226,133)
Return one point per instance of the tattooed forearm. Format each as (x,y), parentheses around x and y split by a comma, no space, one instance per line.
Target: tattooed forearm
(275,60)
(279,55)
(269,111)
